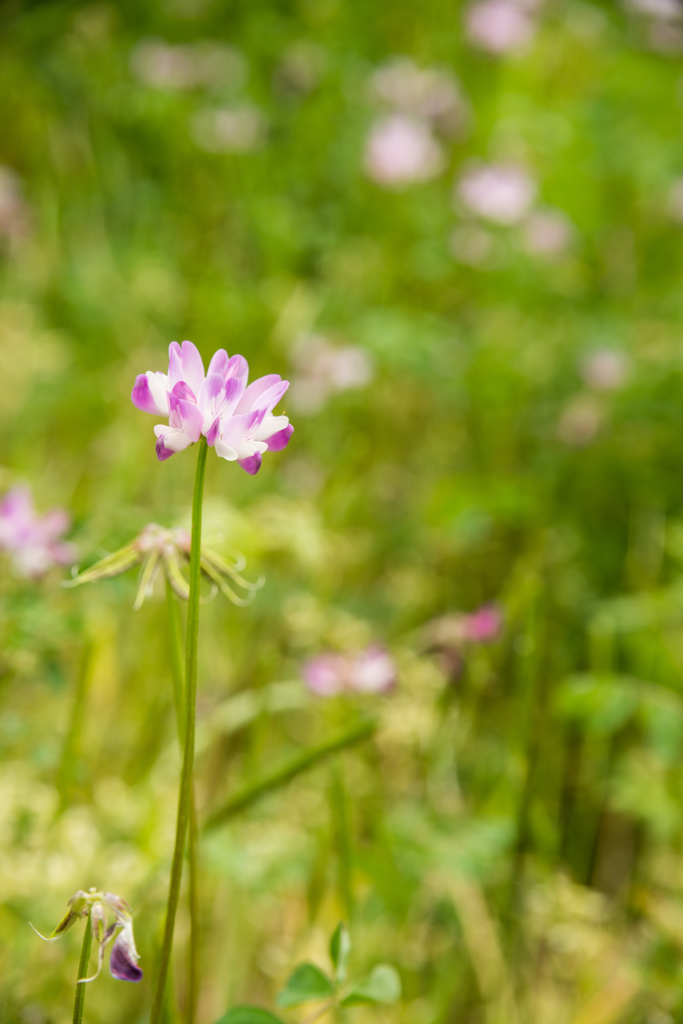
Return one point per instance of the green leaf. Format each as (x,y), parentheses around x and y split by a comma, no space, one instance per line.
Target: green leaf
(306,984)
(382,986)
(249,1015)
(340,947)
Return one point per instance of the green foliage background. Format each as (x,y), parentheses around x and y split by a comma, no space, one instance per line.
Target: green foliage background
(510,840)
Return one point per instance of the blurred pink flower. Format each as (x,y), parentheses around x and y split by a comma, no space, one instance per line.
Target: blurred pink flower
(483,625)
(502,193)
(13,213)
(547,233)
(605,369)
(429,93)
(401,150)
(499,26)
(324,368)
(33,542)
(369,671)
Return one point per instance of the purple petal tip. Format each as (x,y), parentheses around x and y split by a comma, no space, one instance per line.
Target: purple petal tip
(252,464)
(163,453)
(280,440)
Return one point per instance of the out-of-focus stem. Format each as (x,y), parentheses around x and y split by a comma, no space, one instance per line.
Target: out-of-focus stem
(185,795)
(284,773)
(175,633)
(72,740)
(79,1002)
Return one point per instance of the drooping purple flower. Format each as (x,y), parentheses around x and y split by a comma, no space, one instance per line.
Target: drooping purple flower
(368,671)
(237,419)
(34,542)
(109,914)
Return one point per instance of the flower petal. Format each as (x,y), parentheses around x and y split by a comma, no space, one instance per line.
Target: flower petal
(149,393)
(124,957)
(225,451)
(252,464)
(219,364)
(184,391)
(255,390)
(280,439)
(185,363)
(185,416)
(162,451)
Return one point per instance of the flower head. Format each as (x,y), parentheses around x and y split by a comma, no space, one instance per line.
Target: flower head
(499,26)
(109,916)
(237,419)
(155,548)
(401,150)
(502,193)
(34,542)
(369,671)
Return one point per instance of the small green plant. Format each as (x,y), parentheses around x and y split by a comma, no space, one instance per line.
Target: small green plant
(309,984)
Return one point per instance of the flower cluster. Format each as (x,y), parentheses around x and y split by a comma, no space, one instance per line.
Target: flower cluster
(369,671)
(157,548)
(33,542)
(236,419)
(123,962)
(402,147)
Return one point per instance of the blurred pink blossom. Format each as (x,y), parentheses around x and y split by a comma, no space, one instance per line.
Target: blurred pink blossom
(370,671)
(33,542)
(499,26)
(483,625)
(401,150)
(450,635)
(502,193)
(13,213)
(323,369)
(432,94)
(547,233)
(605,369)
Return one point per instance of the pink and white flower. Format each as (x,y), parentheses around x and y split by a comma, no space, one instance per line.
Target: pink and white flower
(369,671)
(501,193)
(34,542)
(401,150)
(237,419)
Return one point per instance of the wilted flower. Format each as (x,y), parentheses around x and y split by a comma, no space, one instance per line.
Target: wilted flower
(369,671)
(33,542)
(157,548)
(123,962)
(502,193)
(236,420)
(401,150)
(547,233)
(606,369)
(325,368)
(450,635)
(499,26)
(429,93)
(238,129)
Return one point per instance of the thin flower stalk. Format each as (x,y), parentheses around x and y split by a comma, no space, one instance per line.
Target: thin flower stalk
(79,1001)
(185,795)
(193,839)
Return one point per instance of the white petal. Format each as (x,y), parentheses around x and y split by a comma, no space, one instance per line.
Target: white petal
(225,451)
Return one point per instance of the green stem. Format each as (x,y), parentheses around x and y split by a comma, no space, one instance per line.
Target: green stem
(175,631)
(79,1002)
(283,774)
(185,795)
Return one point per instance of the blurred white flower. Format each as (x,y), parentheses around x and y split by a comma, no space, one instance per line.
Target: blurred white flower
(429,93)
(302,66)
(401,150)
(499,26)
(324,368)
(605,369)
(667,10)
(675,199)
(502,193)
(580,421)
(239,129)
(13,212)
(472,245)
(165,66)
(547,233)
